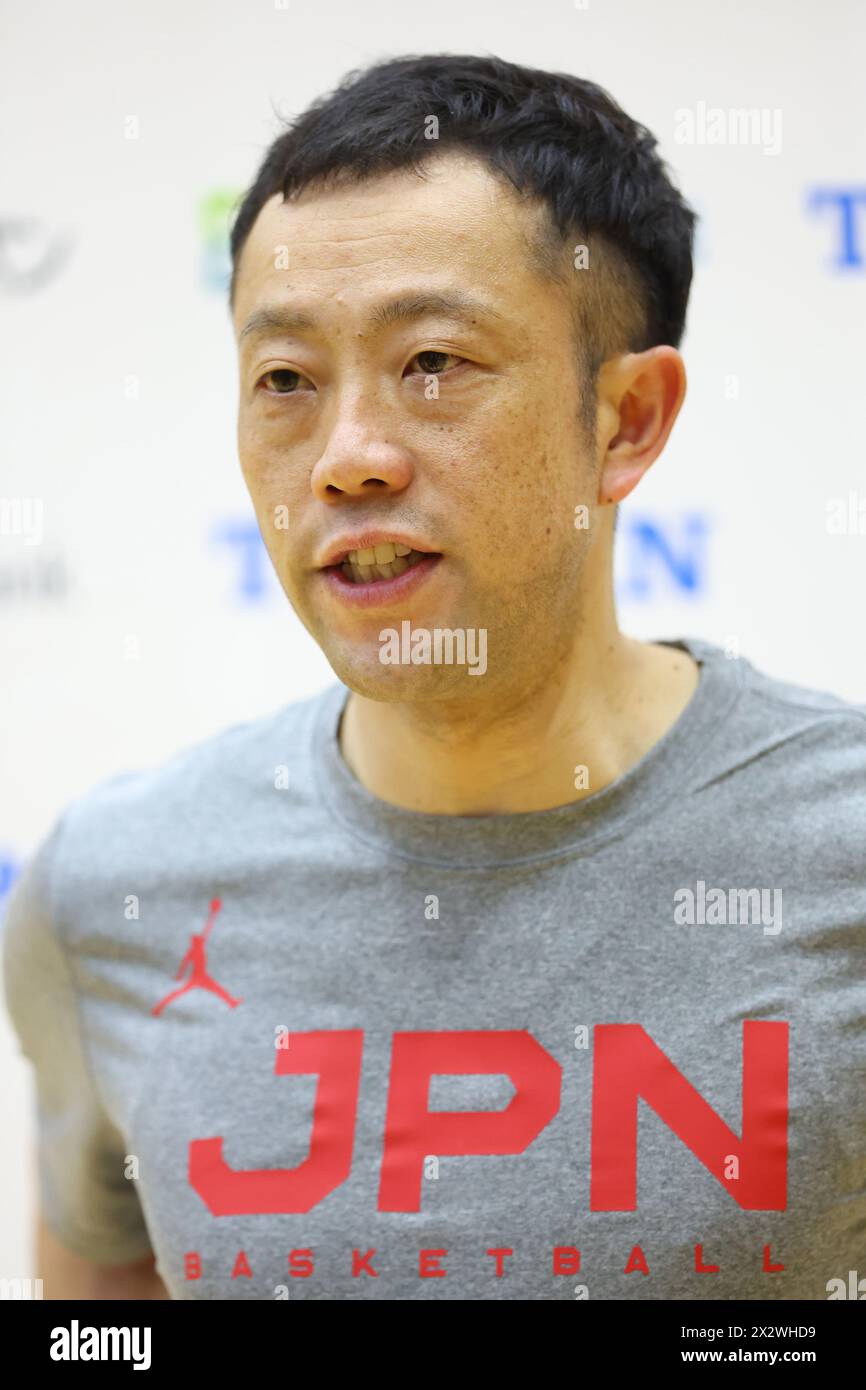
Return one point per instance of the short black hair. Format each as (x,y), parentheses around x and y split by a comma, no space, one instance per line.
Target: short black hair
(556,138)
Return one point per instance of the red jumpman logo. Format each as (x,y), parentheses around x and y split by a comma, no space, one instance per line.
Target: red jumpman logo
(196,959)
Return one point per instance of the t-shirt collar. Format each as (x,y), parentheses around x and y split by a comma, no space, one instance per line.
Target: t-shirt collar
(525,837)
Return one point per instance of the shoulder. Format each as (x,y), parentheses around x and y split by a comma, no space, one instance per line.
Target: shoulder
(794,699)
(198,807)
(241,754)
(817,724)
(793,755)
(783,709)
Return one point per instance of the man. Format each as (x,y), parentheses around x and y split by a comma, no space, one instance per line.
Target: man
(535,971)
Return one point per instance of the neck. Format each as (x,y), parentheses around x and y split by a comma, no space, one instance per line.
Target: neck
(603,707)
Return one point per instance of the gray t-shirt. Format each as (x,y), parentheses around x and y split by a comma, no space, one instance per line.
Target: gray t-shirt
(278,1024)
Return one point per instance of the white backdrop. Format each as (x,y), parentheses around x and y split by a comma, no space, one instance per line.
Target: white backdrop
(137,611)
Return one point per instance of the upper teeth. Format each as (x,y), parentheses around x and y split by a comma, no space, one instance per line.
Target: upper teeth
(383,554)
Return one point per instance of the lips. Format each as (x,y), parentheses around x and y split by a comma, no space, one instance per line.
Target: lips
(385,561)
(385,592)
(376,559)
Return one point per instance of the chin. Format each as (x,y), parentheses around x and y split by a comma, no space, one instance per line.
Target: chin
(400,684)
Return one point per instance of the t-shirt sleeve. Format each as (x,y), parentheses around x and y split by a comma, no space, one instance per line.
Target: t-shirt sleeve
(85,1199)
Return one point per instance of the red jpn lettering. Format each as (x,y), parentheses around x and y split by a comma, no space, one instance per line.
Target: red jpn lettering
(629,1066)
(336,1057)
(412,1131)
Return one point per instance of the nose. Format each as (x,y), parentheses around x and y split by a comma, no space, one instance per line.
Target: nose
(359,459)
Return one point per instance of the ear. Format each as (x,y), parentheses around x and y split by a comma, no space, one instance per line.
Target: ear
(639,395)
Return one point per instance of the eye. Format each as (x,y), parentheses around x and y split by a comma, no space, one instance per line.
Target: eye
(433,362)
(285,381)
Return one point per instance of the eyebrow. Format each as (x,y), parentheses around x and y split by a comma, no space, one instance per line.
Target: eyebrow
(404,309)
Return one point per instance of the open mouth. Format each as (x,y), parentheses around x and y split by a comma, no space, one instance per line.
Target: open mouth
(380,562)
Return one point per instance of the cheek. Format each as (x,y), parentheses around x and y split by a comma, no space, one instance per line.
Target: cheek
(273,473)
(513,488)
(251,455)
(276,491)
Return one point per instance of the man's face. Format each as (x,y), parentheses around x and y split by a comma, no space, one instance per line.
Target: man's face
(449,426)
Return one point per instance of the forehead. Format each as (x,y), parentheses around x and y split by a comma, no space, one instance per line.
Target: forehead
(458,224)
